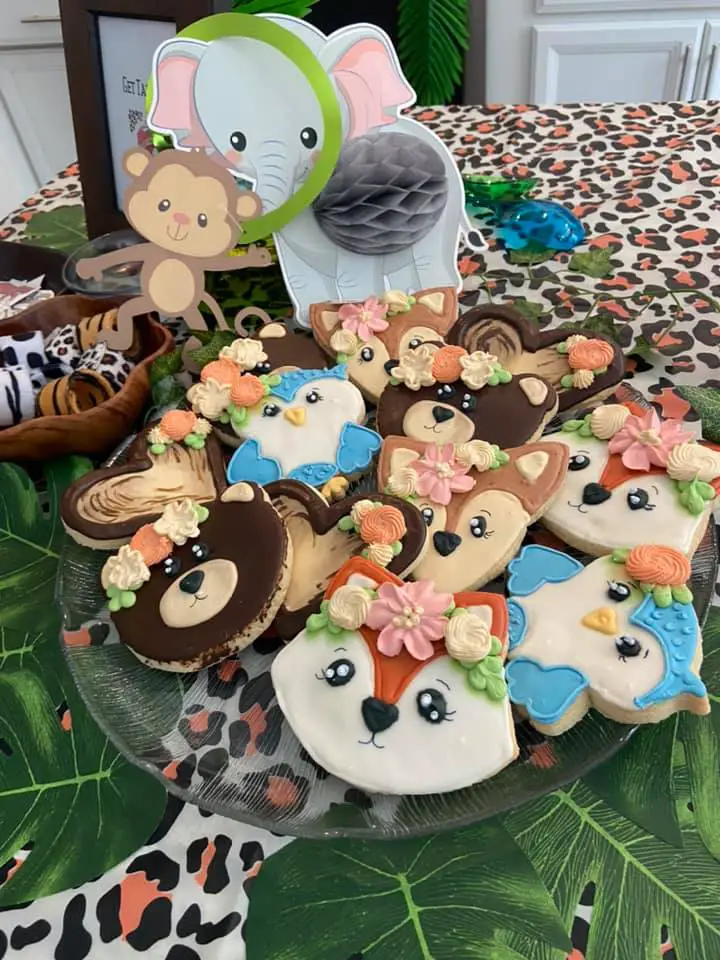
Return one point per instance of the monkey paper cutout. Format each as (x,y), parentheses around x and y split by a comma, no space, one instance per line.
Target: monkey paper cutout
(190,210)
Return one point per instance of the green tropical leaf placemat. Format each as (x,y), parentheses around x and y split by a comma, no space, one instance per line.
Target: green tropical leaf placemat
(60,229)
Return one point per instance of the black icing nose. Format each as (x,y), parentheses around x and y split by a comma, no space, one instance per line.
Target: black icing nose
(595,493)
(441,414)
(378,715)
(445,542)
(389,364)
(192,582)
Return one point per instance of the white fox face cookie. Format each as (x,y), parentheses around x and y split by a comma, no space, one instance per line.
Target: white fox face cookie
(392,708)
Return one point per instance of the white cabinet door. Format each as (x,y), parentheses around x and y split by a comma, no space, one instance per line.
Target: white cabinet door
(707,85)
(636,62)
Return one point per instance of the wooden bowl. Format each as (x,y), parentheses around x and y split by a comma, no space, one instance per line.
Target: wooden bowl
(95,431)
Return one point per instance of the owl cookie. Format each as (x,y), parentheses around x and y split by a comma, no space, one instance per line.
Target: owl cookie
(584,367)
(476,500)
(201,582)
(633,478)
(372,336)
(619,635)
(399,687)
(446,395)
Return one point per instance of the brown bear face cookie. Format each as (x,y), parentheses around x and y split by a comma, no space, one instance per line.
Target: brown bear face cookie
(370,337)
(200,583)
(449,396)
(388,530)
(177,458)
(583,366)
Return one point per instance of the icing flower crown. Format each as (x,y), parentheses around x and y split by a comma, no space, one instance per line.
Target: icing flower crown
(660,571)
(126,571)
(378,525)
(226,391)
(178,426)
(643,442)
(587,358)
(360,322)
(443,470)
(427,365)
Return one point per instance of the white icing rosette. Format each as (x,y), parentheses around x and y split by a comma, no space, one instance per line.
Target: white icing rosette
(476,453)
(415,367)
(467,638)
(245,352)
(210,399)
(693,461)
(158,436)
(344,341)
(403,483)
(349,607)
(126,570)
(359,510)
(582,379)
(202,428)
(397,301)
(477,368)
(574,340)
(606,421)
(179,522)
(380,553)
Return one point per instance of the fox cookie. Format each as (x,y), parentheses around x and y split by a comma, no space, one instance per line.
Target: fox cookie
(372,336)
(398,687)
(202,581)
(633,478)
(446,395)
(476,500)
(175,459)
(584,367)
(620,635)
(387,530)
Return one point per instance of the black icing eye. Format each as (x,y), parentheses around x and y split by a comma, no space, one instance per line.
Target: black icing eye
(618,591)
(414,343)
(238,141)
(478,526)
(469,402)
(638,499)
(313,396)
(367,354)
(628,647)
(171,566)
(200,551)
(308,137)
(444,391)
(271,410)
(202,220)
(432,706)
(428,515)
(339,673)
(164,206)
(579,462)
(263,367)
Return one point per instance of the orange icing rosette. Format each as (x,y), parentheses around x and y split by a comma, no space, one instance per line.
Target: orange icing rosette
(660,566)
(383,525)
(247,391)
(223,371)
(177,424)
(590,355)
(446,364)
(153,546)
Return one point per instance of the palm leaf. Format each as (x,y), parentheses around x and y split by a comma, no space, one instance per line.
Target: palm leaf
(291,8)
(433,36)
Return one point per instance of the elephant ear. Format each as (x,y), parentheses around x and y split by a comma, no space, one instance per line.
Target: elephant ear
(173,107)
(365,67)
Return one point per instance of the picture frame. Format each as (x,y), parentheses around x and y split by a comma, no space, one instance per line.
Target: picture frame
(109,45)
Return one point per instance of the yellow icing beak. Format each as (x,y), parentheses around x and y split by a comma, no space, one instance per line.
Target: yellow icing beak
(296,416)
(604,620)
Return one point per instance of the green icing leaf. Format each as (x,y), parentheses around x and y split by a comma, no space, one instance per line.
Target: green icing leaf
(682,594)
(595,263)
(562,347)
(346,524)
(201,512)
(694,495)
(662,596)
(566,381)
(194,441)
(158,448)
(619,556)
(316,622)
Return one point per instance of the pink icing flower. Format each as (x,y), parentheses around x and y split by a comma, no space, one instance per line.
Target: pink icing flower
(410,616)
(647,440)
(364,319)
(440,474)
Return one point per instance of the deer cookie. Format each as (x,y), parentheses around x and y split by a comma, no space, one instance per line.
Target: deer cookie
(371,336)
(584,367)
(476,500)
(201,582)
(177,458)
(633,478)
(619,635)
(399,687)
(446,395)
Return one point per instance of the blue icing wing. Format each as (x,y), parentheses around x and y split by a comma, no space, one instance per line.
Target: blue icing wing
(291,382)
(677,631)
(314,474)
(247,463)
(517,619)
(356,448)
(535,566)
(545,692)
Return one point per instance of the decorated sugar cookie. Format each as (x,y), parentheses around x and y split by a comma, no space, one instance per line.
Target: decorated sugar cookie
(633,478)
(446,395)
(619,635)
(202,581)
(387,530)
(399,687)
(174,459)
(371,336)
(583,366)
(476,500)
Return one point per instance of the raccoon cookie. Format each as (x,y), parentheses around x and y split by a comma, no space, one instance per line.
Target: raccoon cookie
(619,635)
(398,687)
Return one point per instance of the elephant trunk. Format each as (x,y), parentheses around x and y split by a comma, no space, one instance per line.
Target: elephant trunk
(275,175)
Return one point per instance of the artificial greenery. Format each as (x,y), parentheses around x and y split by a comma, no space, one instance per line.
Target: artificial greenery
(433,36)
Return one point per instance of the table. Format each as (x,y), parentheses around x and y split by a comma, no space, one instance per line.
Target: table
(621,866)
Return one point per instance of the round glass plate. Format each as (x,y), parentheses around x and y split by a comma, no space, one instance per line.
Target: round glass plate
(123,280)
(217,738)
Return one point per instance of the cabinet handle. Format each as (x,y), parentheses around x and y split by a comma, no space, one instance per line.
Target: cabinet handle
(39,18)
(683,71)
(711,71)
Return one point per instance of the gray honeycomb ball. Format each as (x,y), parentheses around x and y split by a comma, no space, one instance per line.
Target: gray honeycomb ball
(386,193)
